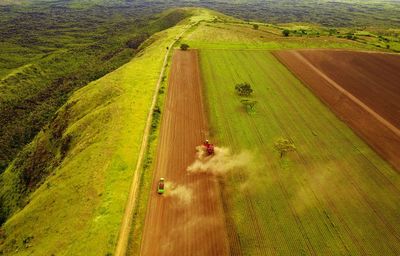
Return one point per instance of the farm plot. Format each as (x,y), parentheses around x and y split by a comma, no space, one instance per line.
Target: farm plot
(361,88)
(333,195)
(188,218)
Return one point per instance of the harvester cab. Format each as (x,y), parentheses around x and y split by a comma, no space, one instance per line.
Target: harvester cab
(208,147)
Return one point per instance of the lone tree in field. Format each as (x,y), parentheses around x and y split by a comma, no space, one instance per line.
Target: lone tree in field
(184,47)
(283,146)
(255,26)
(244,89)
(285,32)
(249,105)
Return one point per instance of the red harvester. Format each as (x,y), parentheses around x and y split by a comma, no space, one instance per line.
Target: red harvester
(209,148)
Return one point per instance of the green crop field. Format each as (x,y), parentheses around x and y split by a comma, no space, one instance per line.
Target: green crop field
(332,196)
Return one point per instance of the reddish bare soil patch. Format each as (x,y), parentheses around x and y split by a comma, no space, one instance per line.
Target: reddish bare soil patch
(188,219)
(362,88)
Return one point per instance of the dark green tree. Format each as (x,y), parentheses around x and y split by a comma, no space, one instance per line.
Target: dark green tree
(244,89)
(184,47)
(285,32)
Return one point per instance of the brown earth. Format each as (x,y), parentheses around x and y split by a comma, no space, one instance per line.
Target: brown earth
(362,88)
(189,218)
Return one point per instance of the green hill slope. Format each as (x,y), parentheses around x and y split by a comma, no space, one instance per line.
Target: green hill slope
(47,52)
(89,151)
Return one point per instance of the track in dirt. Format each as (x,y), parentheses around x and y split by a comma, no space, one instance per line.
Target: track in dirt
(188,219)
(361,88)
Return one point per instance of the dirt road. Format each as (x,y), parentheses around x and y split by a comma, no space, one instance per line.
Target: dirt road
(188,219)
(360,87)
(123,236)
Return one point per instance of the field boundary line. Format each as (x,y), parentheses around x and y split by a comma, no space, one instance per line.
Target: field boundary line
(386,123)
(123,236)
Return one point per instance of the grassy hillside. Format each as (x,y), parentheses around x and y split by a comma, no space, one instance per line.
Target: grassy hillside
(47,52)
(333,195)
(89,150)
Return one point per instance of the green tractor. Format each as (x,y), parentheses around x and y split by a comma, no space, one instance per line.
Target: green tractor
(160,187)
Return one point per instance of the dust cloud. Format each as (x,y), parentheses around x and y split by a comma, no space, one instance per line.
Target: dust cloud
(222,162)
(182,193)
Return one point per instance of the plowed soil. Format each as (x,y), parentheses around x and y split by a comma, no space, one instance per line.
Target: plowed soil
(189,218)
(362,88)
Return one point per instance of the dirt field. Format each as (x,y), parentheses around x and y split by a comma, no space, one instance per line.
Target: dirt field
(361,88)
(188,219)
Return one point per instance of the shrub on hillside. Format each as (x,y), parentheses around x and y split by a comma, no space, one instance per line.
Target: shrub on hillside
(135,42)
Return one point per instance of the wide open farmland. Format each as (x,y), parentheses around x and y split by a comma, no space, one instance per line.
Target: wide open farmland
(362,88)
(334,195)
